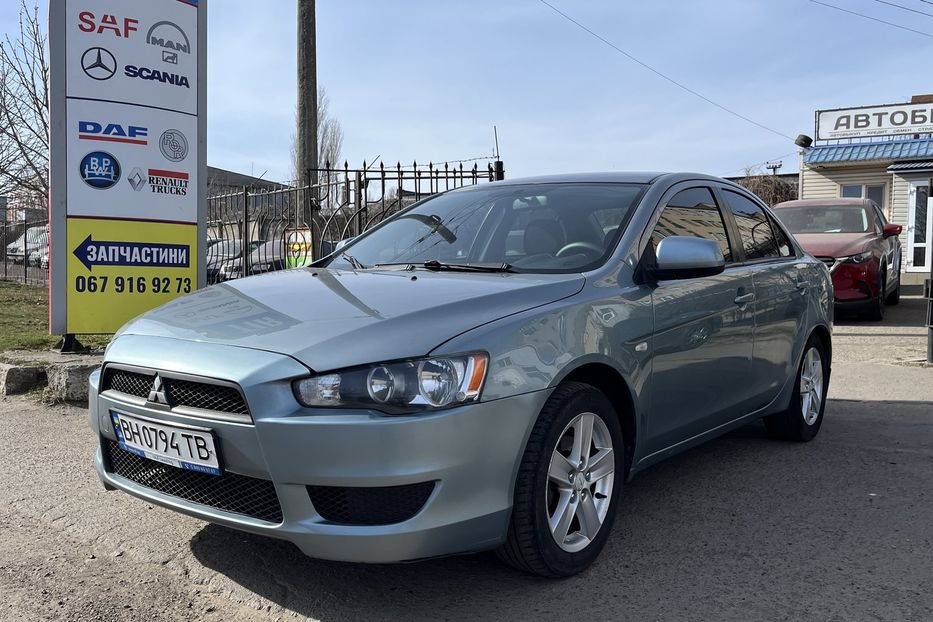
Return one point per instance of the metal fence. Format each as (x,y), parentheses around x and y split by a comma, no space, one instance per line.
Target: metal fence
(24,252)
(260,230)
(256,231)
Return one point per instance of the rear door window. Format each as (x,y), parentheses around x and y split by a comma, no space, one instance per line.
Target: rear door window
(758,237)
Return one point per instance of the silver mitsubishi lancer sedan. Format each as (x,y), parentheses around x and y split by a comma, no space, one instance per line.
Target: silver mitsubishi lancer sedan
(484,370)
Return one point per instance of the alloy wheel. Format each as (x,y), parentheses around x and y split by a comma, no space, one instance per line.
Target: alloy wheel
(811,386)
(580,478)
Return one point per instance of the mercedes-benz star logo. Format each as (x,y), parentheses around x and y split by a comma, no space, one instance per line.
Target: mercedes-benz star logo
(98,63)
(157,392)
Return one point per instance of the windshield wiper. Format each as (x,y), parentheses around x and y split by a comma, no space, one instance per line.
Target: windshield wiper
(434,264)
(357,265)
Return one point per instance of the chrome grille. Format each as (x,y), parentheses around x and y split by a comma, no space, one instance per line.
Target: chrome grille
(188,393)
(229,492)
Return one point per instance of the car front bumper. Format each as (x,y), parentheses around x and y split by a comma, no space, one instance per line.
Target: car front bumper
(470,453)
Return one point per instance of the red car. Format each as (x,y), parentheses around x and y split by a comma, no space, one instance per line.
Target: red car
(860,248)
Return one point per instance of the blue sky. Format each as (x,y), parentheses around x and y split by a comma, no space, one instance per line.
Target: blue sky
(427,80)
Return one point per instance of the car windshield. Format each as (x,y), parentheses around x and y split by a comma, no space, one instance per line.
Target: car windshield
(559,227)
(824,219)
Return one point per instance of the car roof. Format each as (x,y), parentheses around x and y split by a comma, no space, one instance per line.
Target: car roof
(619,177)
(825,203)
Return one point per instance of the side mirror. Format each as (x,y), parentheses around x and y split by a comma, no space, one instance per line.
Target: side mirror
(891,230)
(685,257)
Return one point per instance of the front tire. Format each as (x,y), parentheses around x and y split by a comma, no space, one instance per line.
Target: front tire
(568,484)
(895,296)
(875,311)
(804,415)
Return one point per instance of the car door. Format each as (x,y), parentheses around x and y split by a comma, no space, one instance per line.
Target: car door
(703,329)
(781,288)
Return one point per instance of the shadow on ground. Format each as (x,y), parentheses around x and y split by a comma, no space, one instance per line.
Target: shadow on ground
(741,528)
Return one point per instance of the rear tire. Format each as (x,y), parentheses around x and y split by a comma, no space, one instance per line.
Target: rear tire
(566,495)
(804,415)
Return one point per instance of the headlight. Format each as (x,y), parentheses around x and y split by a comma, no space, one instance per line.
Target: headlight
(860,258)
(400,387)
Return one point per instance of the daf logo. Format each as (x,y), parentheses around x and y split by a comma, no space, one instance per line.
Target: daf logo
(98,64)
(157,392)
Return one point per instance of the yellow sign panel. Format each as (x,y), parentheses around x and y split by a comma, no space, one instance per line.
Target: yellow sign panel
(118,269)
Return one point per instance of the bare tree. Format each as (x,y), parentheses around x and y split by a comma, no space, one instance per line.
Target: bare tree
(770,188)
(24,110)
(329,139)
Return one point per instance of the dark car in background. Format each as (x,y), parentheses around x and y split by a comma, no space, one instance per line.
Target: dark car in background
(858,245)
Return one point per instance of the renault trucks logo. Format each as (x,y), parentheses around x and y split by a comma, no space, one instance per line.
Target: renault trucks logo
(174,145)
(171,39)
(113,132)
(160,181)
(100,170)
(157,392)
(98,64)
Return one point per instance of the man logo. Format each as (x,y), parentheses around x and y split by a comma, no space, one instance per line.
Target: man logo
(174,145)
(137,179)
(100,170)
(169,57)
(157,392)
(98,64)
(168,36)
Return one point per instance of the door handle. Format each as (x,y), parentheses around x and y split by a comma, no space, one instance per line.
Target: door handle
(744,298)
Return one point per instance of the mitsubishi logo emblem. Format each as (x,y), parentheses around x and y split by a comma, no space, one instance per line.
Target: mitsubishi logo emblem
(157,392)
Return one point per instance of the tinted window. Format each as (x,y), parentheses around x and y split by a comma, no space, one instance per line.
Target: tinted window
(852,192)
(693,212)
(754,227)
(875,193)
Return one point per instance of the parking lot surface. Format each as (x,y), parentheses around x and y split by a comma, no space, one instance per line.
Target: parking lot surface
(742,528)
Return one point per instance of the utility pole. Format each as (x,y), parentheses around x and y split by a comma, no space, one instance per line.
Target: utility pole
(307,97)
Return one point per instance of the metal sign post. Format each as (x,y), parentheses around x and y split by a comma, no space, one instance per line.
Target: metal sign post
(128,167)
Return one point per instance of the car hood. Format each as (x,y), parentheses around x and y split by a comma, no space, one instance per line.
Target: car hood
(834,244)
(329,319)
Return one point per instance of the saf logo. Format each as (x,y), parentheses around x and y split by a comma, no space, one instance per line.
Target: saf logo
(88,22)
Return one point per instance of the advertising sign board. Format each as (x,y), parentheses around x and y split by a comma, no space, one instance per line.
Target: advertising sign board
(870,121)
(127,158)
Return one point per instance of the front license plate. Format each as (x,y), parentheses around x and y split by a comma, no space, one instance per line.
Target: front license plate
(193,449)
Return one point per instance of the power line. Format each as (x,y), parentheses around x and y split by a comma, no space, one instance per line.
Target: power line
(905,8)
(658,73)
(757,164)
(874,19)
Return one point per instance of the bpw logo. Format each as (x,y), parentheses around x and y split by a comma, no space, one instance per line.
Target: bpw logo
(100,170)
(113,132)
(165,77)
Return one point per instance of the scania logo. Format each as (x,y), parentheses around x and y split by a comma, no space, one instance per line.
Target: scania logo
(100,170)
(98,63)
(157,392)
(172,40)
(174,145)
(165,77)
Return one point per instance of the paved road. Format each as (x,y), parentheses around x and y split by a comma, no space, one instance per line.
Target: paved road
(742,528)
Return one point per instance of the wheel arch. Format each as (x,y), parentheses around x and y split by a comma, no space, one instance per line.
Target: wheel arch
(823,334)
(615,387)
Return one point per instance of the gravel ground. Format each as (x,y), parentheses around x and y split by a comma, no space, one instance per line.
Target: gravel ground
(743,528)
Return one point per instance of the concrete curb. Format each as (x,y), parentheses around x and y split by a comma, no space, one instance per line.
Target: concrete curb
(63,377)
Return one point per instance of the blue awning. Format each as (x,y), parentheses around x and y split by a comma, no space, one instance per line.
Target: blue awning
(866,152)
